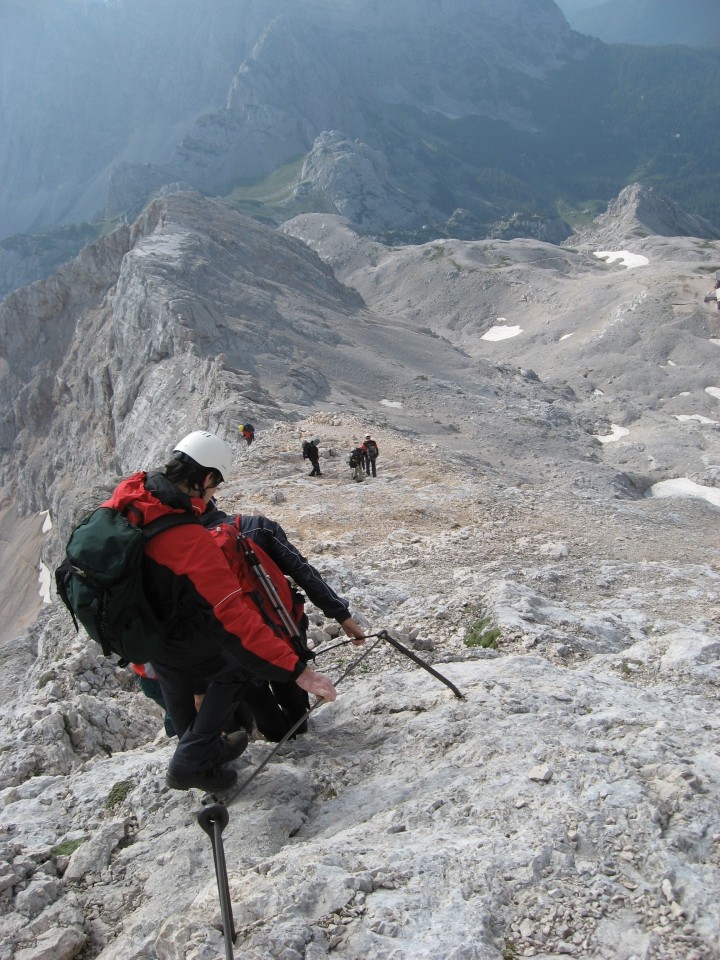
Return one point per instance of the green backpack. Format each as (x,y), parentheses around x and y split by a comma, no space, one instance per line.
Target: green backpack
(100,582)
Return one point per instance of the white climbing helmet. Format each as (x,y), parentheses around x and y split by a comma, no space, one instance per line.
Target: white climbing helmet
(207,451)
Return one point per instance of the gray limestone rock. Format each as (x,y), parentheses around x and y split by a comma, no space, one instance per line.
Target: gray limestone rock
(507,508)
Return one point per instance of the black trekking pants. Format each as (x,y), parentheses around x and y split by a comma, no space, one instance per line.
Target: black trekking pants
(276,707)
(199,746)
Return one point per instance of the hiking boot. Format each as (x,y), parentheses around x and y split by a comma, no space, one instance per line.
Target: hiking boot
(213,780)
(232,745)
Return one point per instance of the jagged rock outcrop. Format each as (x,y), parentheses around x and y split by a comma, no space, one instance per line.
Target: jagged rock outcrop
(547,229)
(640,211)
(351,179)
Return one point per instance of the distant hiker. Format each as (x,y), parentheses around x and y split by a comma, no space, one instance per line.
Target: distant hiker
(371,451)
(356,460)
(248,432)
(276,706)
(310,452)
(214,632)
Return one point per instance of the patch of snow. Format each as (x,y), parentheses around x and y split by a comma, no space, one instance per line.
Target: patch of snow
(392,403)
(713,340)
(501,332)
(47,522)
(44,581)
(624,257)
(696,416)
(682,487)
(617,432)
(713,391)
(566,335)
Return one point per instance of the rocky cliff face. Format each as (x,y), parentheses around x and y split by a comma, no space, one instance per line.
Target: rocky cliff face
(329,66)
(76,100)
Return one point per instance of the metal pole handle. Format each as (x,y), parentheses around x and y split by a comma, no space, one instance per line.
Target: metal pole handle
(213,819)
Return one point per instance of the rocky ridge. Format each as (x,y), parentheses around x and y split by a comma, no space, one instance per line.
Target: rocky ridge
(567,806)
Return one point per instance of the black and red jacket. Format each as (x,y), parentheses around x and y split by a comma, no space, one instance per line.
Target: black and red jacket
(211,625)
(270,537)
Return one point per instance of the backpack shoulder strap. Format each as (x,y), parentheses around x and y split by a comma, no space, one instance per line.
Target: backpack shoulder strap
(155,527)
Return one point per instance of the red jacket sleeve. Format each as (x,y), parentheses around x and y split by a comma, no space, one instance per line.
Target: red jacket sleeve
(190,552)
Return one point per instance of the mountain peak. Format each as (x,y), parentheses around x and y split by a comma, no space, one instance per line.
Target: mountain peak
(641,210)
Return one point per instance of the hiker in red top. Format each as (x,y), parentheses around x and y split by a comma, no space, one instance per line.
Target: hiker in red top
(215,633)
(248,432)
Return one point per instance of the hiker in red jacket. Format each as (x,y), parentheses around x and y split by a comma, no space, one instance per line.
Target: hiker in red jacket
(248,432)
(215,633)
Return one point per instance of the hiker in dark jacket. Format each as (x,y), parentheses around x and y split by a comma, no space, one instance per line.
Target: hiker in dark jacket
(276,707)
(356,462)
(371,451)
(214,632)
(311,453)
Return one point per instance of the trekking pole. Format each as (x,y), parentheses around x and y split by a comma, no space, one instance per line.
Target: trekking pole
(213,819)
(269,587)
(384,635)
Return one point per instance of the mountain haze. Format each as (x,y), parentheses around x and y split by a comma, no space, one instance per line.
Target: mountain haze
(695,23)
(416,120)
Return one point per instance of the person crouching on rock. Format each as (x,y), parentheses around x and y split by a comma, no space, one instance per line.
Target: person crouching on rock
(271,706)
(214,632)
